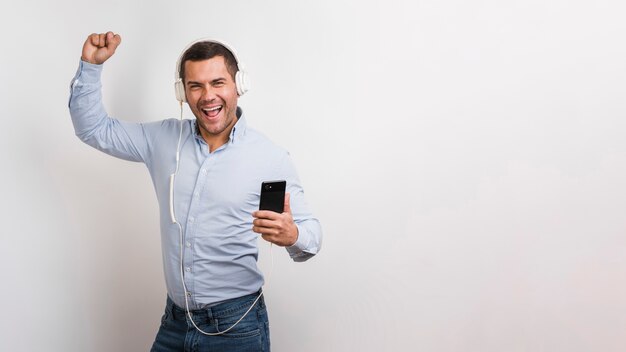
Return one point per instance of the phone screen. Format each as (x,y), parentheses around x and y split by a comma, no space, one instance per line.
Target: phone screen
(273,196)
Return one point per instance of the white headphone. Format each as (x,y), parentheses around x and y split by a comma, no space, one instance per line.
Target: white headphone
(242,81)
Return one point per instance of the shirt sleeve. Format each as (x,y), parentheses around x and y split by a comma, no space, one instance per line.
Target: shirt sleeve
(125,140)
(309,240)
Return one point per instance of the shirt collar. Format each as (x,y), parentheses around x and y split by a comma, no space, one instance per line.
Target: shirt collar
(238,131)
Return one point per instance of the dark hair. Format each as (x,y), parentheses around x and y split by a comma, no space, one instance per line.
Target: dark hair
(207,50)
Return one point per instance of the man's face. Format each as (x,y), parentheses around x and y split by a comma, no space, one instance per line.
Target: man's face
(212,97)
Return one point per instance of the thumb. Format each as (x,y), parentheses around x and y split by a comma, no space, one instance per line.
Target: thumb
(287,206)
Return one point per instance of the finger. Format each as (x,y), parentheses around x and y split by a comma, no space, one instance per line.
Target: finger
(265,230)
(260,229)
(287,207)
(277,240)
(266,214)
(267,238)
(271,238)
(93,39)
(111,42)
(111,38)
(102,40)
(114,41)
(261,223)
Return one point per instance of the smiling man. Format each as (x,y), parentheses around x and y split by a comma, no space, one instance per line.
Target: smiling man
(207,174)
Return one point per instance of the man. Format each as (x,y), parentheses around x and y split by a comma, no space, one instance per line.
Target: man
(213,166)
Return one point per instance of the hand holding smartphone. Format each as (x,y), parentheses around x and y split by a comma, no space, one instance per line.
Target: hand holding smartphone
(276,226)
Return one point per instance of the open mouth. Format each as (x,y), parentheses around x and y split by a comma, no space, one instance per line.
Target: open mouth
(211,112)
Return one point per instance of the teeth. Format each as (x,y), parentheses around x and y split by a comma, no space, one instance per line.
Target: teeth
(212,109)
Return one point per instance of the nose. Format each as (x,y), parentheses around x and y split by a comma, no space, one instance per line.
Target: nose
(208,93)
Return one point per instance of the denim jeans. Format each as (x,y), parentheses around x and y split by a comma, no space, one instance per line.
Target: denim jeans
(251,334)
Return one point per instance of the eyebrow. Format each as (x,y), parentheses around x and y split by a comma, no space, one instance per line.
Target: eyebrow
(213,81)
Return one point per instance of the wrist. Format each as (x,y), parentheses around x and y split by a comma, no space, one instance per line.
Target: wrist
(82,58)
(295,238)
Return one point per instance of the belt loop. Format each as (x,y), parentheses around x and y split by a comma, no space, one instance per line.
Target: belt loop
(210,315)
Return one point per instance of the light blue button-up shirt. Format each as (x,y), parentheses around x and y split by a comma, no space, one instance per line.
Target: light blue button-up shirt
(215,193)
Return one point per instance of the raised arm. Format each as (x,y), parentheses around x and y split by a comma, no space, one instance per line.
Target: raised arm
(125,140)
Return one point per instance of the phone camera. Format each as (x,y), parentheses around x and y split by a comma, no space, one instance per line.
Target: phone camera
(268,187)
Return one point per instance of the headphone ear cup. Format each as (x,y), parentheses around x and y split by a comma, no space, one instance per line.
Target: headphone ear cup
(238,83)
(179,89)
(242,82)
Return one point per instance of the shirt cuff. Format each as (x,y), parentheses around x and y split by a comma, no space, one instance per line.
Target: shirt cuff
(301,244)
(87,73)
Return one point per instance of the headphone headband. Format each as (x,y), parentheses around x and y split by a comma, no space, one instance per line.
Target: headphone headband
(242,81)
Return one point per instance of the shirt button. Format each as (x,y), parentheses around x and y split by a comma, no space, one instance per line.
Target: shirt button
(188,244)
(203,171)
(188,294)
(187,269)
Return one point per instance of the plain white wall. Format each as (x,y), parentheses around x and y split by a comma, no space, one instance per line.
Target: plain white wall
(467,160)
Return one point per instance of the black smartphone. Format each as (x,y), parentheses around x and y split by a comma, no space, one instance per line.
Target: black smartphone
(273,196)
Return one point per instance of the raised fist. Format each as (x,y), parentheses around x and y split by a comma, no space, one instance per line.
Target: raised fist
(98,48)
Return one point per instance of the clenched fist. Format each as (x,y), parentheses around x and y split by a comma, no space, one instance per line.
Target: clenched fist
(98,48)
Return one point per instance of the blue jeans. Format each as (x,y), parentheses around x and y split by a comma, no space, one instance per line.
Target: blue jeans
(251,334)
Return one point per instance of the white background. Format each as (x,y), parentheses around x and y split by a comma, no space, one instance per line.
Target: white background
(467,161)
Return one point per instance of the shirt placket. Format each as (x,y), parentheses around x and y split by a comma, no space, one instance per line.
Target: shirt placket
(195,209)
